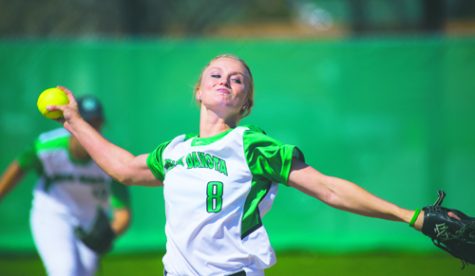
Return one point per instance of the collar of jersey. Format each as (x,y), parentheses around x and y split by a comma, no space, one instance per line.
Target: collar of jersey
(197,141)
(78,161)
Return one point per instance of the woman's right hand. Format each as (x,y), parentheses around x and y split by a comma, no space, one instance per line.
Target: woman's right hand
(70,111)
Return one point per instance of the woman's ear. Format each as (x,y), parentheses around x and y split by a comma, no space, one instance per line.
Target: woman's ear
(243,108)
(198,95)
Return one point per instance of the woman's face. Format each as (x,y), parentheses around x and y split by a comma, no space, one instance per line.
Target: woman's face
(224,86)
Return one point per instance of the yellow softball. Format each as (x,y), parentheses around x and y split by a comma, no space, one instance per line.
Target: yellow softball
(51,96)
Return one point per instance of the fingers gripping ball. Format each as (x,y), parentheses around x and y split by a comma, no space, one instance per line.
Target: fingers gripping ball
(51,96)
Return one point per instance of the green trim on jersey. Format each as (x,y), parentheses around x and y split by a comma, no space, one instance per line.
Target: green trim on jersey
(197,141)
(120,196)
(29,160)
(60,143)
(268,158)
(56,143)
(155,159)
(251,218)
(255,128)
(269,162)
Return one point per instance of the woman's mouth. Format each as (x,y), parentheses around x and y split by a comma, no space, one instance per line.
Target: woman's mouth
(223,91)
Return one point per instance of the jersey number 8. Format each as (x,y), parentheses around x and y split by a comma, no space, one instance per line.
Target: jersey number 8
(214,199)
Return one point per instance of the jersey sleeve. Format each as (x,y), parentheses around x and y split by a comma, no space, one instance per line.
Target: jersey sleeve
(268,158)
(28,159)
(120,195)
(155,161)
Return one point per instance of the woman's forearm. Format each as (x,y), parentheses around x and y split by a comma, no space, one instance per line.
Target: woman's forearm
(121,220)
(345,195)
(111,158)
(348,196)
(114,160)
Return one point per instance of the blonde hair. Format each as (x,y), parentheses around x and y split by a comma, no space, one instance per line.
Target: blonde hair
(246,108)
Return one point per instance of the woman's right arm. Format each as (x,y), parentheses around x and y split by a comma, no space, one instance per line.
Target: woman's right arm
(114,160)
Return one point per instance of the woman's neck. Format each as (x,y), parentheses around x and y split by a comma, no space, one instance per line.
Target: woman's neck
(211,124)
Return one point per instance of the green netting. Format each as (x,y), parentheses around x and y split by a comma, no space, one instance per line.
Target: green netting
(393,115)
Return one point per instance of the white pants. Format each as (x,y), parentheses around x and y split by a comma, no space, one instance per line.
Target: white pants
(61,252)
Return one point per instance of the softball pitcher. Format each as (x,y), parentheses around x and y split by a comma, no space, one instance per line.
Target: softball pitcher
(219,183)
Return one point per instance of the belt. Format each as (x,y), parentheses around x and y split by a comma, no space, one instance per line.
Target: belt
(239,273)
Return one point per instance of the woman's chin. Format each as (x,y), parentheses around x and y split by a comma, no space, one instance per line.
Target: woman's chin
(224,109)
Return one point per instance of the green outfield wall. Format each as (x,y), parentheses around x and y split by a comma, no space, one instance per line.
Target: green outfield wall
(394,115)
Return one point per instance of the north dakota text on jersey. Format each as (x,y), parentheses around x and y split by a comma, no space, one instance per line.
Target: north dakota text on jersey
(199,160)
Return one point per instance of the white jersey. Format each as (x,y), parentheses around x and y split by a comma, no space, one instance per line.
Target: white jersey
(68,186)
(216,190)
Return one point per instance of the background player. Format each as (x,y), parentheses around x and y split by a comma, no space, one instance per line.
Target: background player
(70,194)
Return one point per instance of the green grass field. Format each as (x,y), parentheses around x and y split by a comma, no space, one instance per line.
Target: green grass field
(386,264)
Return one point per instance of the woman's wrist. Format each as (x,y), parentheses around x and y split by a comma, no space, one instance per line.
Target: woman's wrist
(417,219)
(414,217)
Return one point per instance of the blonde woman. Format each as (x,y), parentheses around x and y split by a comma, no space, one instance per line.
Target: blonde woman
(219,183)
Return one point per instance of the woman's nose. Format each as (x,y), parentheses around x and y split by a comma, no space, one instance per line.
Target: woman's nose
(224,81)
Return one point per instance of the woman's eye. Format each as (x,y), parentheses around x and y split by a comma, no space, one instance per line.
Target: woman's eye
(236,80)
(215,75)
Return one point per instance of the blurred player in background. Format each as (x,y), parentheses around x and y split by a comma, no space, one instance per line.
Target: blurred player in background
(219,183)
(70,198)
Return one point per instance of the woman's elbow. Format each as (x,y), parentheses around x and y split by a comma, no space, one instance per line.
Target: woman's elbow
(331,199)
(327,194)
(134,177)
(125,178)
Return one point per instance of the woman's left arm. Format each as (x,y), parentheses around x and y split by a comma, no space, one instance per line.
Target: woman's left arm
(345,195)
